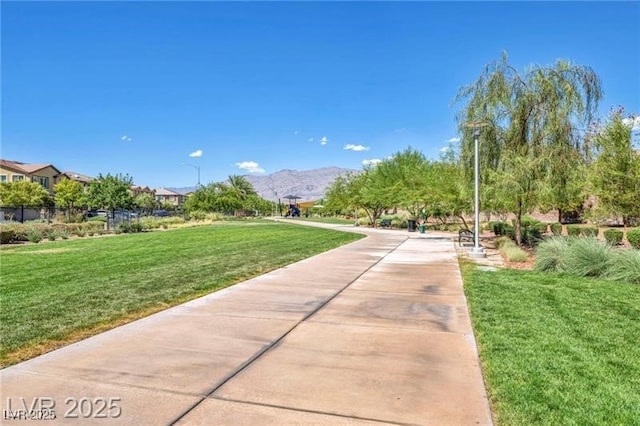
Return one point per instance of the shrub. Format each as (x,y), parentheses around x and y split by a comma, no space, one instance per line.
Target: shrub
(556,229)
(80,232)
(129,227)
(589,231)
(625,267)
(64,235)
(215,216)
(501,241)
(613,236)
(573,230)
(633,236)
(513,253)
(499,228)
(19,231)
(364,221)
(551,255)
(198,215)
(588,257)
(6,235)
(34,234)
(52,235)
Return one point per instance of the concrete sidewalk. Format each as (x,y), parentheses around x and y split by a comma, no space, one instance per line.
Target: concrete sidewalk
(373,332)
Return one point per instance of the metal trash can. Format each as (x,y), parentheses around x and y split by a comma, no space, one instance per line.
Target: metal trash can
(422,227)
(411,225)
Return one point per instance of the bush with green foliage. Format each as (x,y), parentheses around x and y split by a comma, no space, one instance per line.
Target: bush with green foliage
(198,215)
(556,229)
(214,216)
(6,235)
(34,234)
(129,227)
(588,257)
(589,231)
(550,255)
(52,235)
(625,266)
(499,228)
(613,236)
(633,236)
(500,241)
(573,230)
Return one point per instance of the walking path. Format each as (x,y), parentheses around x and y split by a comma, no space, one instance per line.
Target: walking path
(375,332)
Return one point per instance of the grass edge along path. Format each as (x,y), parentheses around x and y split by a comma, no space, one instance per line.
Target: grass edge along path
(556,349)
(61,292)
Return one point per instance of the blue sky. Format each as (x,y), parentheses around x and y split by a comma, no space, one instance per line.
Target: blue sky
(138,87)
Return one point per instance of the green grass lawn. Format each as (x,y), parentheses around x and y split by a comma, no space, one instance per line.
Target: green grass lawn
(331,220)
(56,292)
(557,350)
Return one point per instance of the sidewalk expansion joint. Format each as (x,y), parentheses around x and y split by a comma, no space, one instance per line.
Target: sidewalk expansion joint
(276,342)
(305,410)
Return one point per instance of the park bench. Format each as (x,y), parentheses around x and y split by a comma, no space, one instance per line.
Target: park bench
(466,235)
(385,223)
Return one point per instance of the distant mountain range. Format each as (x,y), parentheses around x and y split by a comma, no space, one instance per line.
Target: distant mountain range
(307,184)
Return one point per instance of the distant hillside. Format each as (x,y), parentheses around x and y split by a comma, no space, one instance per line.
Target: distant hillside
(307,184)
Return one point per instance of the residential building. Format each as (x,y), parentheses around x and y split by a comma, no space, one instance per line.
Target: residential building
(14,171)
(167,196)
(138,190)
(78,177)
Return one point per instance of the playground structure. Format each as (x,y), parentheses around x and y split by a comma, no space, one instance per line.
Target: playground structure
(293,208)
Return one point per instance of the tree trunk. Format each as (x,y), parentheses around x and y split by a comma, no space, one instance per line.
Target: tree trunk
(560,215)
(518,224)
(22,213)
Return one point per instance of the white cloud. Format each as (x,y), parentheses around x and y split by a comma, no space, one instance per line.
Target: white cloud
(444,149)
(371,162)
(250,167)
(296,132)
(324,140)
(196,154)
(453,140)
(126,138)
(357,148)
(311,139)
(634,123)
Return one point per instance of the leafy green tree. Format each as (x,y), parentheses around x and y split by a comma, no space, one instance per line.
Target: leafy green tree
(145,201)
(110,192)
(614,175)
(525,117)
(23,193)
(68,194)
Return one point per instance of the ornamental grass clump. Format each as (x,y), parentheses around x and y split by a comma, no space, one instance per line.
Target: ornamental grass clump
(625,267)
(588,257)
(511,251)
(551,255)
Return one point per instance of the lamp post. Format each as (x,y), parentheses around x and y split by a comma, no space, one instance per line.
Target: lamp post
(198,169)
(477,250)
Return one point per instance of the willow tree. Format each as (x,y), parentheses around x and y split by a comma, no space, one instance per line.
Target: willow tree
(529,124)
(614,175)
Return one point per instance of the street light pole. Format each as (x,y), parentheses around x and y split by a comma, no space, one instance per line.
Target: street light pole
(198,169)
(477,251)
